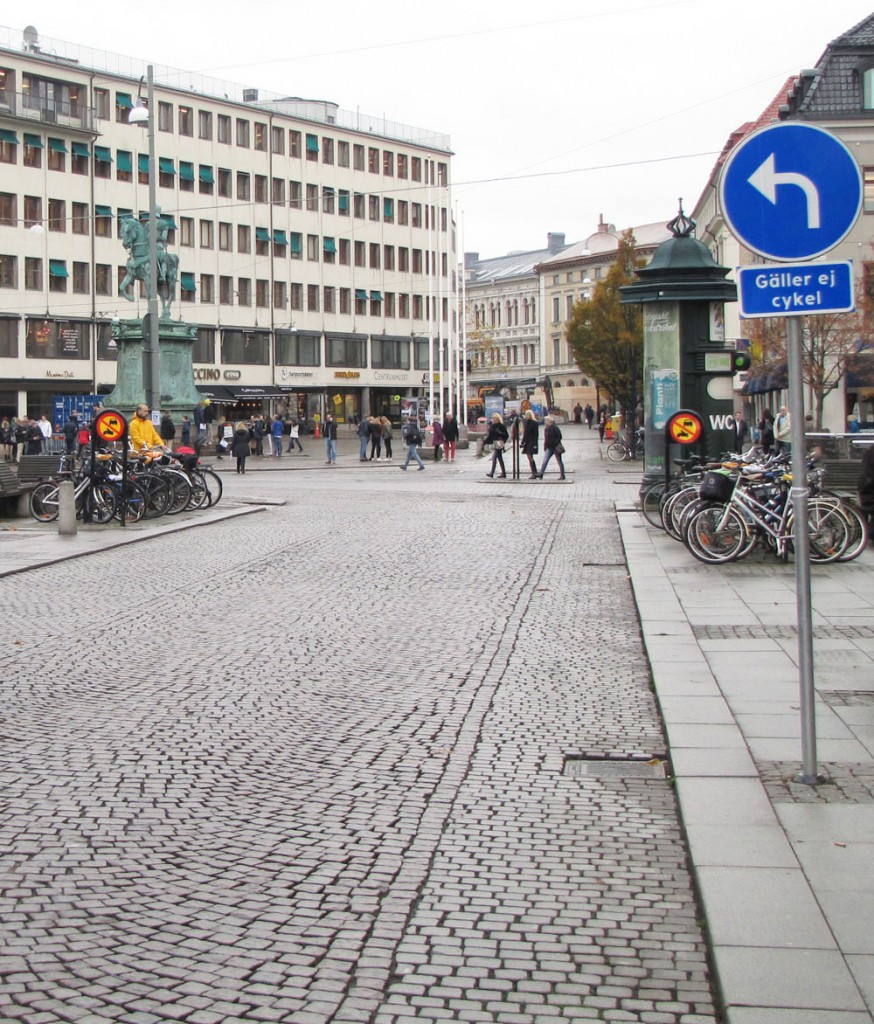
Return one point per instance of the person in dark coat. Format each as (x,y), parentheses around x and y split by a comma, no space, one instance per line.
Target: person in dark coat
(450,436)
(240,446)
(438,439)
(71,432)
(374,431)
(497,437)
(552,446)
(32,438)
(167,430)
(866,488)
(766,431)
(530,440)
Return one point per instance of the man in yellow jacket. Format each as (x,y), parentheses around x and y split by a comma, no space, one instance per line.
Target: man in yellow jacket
(141,431)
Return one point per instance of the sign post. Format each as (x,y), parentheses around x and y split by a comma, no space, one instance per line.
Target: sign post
(793,191)
(110,426)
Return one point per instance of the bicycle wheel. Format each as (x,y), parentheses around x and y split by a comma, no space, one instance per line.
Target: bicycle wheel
(674,510)
(617,451)
(828,531)
(650,502)
(213,484)
(157,492)
(44,502)
(859,535)
(100,502)
(199,492)
(131,502)
(716,534)
(180,491)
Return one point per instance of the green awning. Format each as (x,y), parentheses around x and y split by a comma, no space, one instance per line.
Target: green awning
(123,160)
(330,245)
(376,296)
(206,174)
(296,241)
(80,149)
(32,140)
(57,146)
(123,100)
(388,208)
(186,171)
(312,143)
(328,191)
(262,234)
(58,268)
(344,201)
(166,165)
(280,238)
(103,211)
(8,136)
(188,282)
(143,163)
(103,154)
(361,293)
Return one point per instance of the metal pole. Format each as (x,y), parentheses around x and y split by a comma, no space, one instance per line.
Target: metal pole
(153,368)
(799,493)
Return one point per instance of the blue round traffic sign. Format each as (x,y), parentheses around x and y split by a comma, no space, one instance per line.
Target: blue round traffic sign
(790,191)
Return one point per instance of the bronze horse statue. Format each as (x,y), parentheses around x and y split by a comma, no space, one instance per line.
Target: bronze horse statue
(135,238)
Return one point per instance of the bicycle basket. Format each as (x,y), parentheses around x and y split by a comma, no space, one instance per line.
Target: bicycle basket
(715,486)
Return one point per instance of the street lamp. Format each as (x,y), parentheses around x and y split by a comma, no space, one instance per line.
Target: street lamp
(144,116)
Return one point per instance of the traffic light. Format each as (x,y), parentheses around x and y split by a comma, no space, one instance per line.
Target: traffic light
(740,361)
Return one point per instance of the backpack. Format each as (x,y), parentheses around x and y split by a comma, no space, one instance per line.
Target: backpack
(413,435)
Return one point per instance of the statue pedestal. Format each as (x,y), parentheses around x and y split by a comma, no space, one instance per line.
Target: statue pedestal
(176,341)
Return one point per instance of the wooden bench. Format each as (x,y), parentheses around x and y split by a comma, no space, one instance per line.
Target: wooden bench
(33,468)
(842,475)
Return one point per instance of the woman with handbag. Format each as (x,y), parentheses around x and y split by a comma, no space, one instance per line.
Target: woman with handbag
(530,438)
(552,446)
(497,437)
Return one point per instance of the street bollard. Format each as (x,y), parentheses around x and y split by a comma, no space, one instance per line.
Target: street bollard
(66,509)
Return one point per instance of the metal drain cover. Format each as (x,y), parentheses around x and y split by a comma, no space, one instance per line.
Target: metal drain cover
(615,768)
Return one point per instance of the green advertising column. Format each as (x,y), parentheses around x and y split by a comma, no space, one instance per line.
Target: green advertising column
(686,364)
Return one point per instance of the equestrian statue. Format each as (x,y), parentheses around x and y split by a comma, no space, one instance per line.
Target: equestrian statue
(135,238)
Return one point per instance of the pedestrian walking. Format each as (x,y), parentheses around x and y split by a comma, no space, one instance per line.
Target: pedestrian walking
(602,424)
(200,422)
(294,436)
(240,446)
(497,437)
(766,431)
(45,429)
(276,433)
(33,439)
(167,430)
(578,413)
(5,437)
(589,413)
(552,446)
(438,439)
(783,431)
(530,440)
(741,432)
(412,439)
(387,436)
(330,431)
(450,436)
(258,433)
(185,431)
(866,488)
(374,430)
(363,438)
(71,433)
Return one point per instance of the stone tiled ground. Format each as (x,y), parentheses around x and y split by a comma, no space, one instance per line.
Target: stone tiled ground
(307,766)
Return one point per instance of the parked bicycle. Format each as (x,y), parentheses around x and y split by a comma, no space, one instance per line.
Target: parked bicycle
(620,449)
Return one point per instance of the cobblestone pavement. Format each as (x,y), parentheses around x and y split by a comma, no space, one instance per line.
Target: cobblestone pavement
(307,766)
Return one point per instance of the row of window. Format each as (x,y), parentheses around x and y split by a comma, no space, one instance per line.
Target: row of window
(231,291)
(324,199)
(490,315)
(511,355)
(71,339)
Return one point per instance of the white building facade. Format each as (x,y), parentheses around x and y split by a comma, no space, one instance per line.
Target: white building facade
(316,247)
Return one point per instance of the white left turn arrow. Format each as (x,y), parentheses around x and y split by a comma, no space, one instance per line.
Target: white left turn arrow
(766,179)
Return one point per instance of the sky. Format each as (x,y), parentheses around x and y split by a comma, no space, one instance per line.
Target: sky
(557,114)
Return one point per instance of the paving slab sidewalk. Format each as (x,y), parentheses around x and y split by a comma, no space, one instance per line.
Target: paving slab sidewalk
(785,871)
